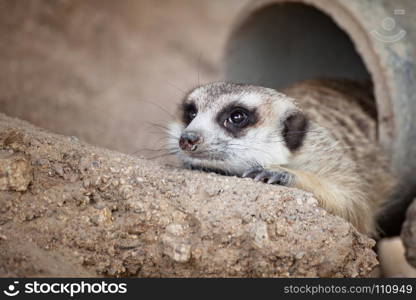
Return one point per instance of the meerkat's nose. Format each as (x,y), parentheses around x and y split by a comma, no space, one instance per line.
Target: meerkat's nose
(189,140)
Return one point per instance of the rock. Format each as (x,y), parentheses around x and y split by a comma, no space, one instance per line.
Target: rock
(15,172)
(176,244)
(160,221)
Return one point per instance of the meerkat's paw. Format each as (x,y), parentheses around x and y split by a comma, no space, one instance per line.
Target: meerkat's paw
(268,176)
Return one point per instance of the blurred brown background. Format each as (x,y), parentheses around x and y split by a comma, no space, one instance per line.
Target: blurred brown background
(90,68)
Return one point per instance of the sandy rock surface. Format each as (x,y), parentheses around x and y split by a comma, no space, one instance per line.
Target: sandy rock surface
(92,212)
(15,172)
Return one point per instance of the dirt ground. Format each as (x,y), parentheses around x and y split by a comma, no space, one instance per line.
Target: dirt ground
(94,69)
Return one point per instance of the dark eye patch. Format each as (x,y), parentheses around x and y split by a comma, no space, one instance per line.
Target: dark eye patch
(294,130)
(234,118)
(189,112)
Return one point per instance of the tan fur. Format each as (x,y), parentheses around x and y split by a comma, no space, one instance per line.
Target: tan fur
(340,162)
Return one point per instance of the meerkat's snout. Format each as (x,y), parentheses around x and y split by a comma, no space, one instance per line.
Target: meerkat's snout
(190,140)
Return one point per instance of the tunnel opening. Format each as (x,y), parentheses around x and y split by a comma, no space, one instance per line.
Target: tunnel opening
(284,43)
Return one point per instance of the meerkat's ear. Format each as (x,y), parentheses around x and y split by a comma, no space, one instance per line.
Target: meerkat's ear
(295,126)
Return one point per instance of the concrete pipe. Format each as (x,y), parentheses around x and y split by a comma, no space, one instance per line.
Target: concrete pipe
(279,42)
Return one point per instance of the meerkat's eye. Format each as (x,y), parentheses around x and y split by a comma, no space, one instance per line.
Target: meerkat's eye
(235,117)
(192,114)
(189,112)
(238,117)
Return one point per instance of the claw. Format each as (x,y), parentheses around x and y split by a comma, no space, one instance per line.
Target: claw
(276,178)
(270,177)
(262,176)
(252,172)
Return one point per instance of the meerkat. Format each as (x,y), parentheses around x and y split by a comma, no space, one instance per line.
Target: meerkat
(314,143)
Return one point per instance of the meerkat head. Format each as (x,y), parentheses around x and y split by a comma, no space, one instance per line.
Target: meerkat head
(232,127)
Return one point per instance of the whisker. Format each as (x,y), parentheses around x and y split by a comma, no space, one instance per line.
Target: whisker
(198,66)
(162,155)
(152,150)
(177,88)
(158,106)
(161,129)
